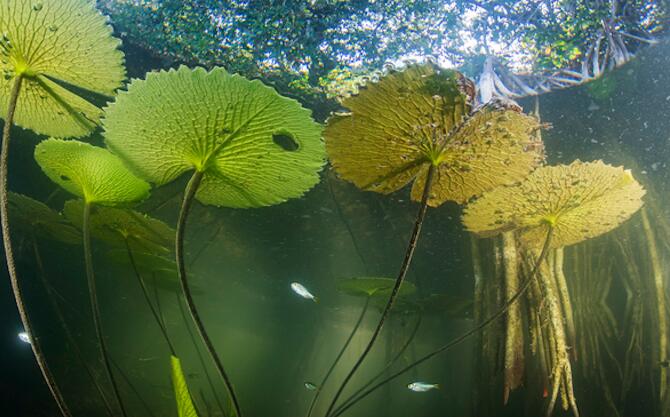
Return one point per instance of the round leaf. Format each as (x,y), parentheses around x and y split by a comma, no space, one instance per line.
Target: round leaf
(255,147)
(35,217)
(580,201)
(373,286)
(61,48)
(409,120)
(116,225)
(89,172)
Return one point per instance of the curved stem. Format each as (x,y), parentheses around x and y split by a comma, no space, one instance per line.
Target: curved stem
(66,329)
(399,280)
(189,194)
(140,280)
(95,307)
(9,253)
(465,335)
(386,368)
(339,356)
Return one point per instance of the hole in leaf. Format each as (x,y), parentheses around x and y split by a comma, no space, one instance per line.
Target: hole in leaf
(285,141)
(65,178)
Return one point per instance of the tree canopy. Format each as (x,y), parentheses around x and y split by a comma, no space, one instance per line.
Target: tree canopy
(309,46)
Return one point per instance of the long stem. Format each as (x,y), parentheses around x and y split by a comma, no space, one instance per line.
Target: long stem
(93,296)
(189,194)
(140,280)
(514,337)
(9,253)
(386,368)
(399,280)
(66,329)
(465,335)
(660,301)
(339,356)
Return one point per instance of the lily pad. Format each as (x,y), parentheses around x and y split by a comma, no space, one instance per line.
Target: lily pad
(61,48)
(114,225)
(35,217)
(579,201)
(254,147)
(90,172)
(373,287)
(397,128)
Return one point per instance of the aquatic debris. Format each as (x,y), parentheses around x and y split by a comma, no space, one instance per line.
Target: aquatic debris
(310,386)
(24,337)
(422,386)
(300,289)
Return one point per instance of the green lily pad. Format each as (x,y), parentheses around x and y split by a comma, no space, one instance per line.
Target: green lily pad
(114,225)
(90,172)
(56,45)
(185,407)
(34,217)
(373,287)
(254,147)
(409,120)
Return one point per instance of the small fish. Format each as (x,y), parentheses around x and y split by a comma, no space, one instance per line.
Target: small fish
(422,386)
(310,386)
(24,337)
(300,289)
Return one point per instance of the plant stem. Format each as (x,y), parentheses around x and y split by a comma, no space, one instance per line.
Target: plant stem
(189,194)
(386,368)
(409,253)
(514,337)
(660,301)
(339,356)
(140,280)
(95,307)
(9,253)
(464,336)
(66,329)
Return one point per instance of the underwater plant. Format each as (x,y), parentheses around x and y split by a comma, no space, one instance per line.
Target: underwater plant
(245,145)
(99,178)
(573,202)
(51,51)
(414,126)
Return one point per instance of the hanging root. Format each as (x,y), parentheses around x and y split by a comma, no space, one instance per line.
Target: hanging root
(561,376)
(514,340)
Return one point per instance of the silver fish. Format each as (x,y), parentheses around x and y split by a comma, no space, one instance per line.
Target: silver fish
(300,289)
(24,337)
(310,386)
(422,386)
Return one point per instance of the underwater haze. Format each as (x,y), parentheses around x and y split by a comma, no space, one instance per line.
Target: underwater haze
(324,208)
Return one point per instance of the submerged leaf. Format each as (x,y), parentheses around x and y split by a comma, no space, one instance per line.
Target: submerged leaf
(114,225)
(255,147)
(185,407)
(373,286)
(409,120)
(90,172)
(61,48)
(580,201)
(37,218)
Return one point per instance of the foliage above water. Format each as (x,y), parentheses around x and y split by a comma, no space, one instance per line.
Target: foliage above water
(62,49)
(302,45)
(579,201)
(89,172)
(411,119)
(254,147)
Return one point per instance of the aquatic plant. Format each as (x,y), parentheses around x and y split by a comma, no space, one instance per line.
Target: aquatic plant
(99,178)
(185,407)
(245,145)
(414,126)
(50,52)
(575,202)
